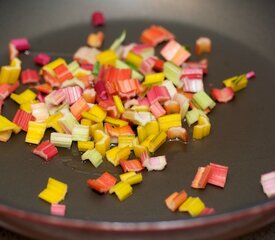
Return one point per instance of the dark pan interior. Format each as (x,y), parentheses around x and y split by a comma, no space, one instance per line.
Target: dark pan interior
(242,136)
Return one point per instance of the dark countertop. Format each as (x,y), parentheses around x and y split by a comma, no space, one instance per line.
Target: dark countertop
(265,233)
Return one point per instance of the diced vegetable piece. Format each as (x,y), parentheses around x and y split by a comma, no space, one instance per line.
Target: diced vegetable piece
(207,211)
(61,140)
(72,94)
(146,51)
(203,45)
(133,59)
(170,87)
(85,145)
(126,140)
(44,88)
(95,114)
(172,72)
(201,177)
(218,175)
(138,118)
(192,116)
(250,75)
(147,65)
(21,44)
(87,55)
(6,124)
(123,65)
(93,156)
(40,112)
(171,106)
(107,57)
(80,132)
(157,109)
(183,102)
(49,68)
(102,142)
(35,132)
(237,83)
(10,74)
(177,133)
(62,73)
(22,118)
(123,190)
(78,107)
(175,53)
(158,93)
(202,129)
(203,100)
(193,205)
(131,165)
(223,95)
(68,121)
(58,209)
(268,183)
(168,121)
(153,79)
(157,141)
(192,80)
(115,154)
(46,150)
(98,18)
(42,59)
(54,192)
(155,35)
(52,122)
(117,43)
(29,76)
(131,177)
(5,135)
(103,183)
(174,200)
(116,122)
(95,39)
(155,163)
(26,96)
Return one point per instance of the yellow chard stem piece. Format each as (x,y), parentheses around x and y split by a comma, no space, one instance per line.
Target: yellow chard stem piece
(122,189)
(35,132)
(157,141)
(10,74)
(107,57)
(168,121)
(96,114)
(119,104)
(94,127)
(52,122)
(153,79)
(193,205)
(126,140)
(116,122)
(54,192)
(85,145)
(102,142)
(6,125)
(117,153)
(202,129)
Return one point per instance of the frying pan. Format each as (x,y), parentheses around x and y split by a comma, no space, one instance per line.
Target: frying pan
(242,136)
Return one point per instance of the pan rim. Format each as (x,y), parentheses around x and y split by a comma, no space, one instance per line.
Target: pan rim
(146,226)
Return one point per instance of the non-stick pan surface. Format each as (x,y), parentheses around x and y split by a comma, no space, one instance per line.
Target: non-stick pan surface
(242,135)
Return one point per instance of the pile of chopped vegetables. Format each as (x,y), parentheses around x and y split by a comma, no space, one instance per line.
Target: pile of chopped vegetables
(114,102)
